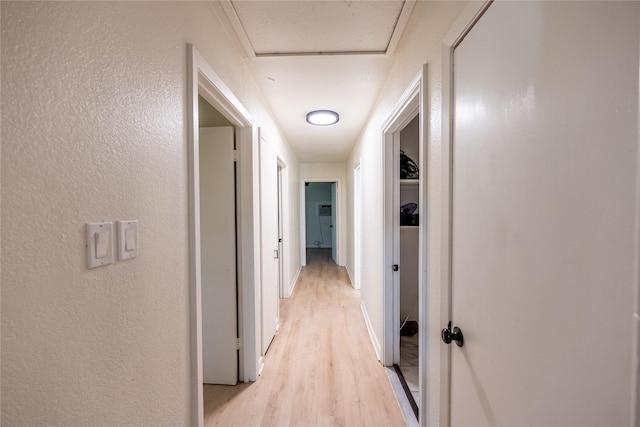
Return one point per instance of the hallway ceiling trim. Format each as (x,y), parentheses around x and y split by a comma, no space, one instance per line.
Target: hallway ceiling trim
(308,28)
(314,55)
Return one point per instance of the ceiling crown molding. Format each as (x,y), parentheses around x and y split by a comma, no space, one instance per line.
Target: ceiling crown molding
(238,32)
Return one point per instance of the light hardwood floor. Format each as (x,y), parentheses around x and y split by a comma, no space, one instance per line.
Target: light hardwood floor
(320,370)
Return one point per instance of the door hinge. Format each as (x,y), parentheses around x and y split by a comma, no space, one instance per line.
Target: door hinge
(236,155)
(238,344)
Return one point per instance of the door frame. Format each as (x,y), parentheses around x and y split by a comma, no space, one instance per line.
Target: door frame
(204,81)
(413,102)
(303,220)
(635,393)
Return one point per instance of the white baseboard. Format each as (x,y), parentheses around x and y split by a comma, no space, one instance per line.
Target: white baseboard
(293,283)
(260,365)
(353,283)
(372,335)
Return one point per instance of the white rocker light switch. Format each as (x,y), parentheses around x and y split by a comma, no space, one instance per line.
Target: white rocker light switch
(99,244)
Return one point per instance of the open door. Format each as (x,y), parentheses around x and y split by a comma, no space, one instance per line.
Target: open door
(280,236)
(218,256)
(544,159)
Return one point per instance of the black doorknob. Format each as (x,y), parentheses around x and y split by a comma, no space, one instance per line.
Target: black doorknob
(449,335)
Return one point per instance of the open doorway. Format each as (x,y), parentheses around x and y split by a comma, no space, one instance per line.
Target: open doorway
(405,249)
(322,211)
(218,255)
(206,89)
(408,236)
(320,219)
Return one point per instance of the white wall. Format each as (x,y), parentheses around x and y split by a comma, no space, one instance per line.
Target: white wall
(420,44)
(94,128)
(329,172)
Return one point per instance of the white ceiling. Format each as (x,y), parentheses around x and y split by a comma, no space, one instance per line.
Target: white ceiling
(309,55)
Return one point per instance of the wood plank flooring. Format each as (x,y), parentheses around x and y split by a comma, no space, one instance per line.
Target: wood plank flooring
(320,370)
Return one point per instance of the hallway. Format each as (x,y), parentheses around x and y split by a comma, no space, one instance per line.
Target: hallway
(321,368)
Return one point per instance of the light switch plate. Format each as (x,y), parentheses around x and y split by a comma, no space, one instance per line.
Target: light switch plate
(127,239)
(99,244)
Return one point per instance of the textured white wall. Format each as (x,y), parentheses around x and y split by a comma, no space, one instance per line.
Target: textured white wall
(420,44)
(94,128)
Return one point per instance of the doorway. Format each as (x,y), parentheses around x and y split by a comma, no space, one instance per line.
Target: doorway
(408,235)
(405,246)
(319,222)
(204,83)
(218,214)
(218,251)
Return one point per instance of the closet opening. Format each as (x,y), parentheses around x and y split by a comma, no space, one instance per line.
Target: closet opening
(407,365)
(405,249)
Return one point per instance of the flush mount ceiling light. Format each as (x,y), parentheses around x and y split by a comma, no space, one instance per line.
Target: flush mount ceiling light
(323,117)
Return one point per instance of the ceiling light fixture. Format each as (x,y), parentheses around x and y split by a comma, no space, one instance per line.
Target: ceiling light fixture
(323,117)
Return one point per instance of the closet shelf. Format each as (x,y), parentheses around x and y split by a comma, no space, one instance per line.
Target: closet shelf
(409,182)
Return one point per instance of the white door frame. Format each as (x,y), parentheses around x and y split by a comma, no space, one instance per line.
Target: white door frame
(412,102)
(202,80)
(635,395)
(303,221)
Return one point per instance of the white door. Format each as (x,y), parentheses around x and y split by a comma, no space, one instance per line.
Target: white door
(281,285)
(544,167)
(218,256)
(269,226)
(334,213)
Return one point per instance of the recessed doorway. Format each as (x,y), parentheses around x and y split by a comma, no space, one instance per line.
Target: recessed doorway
(320,219)
(405,247)
(205,84)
